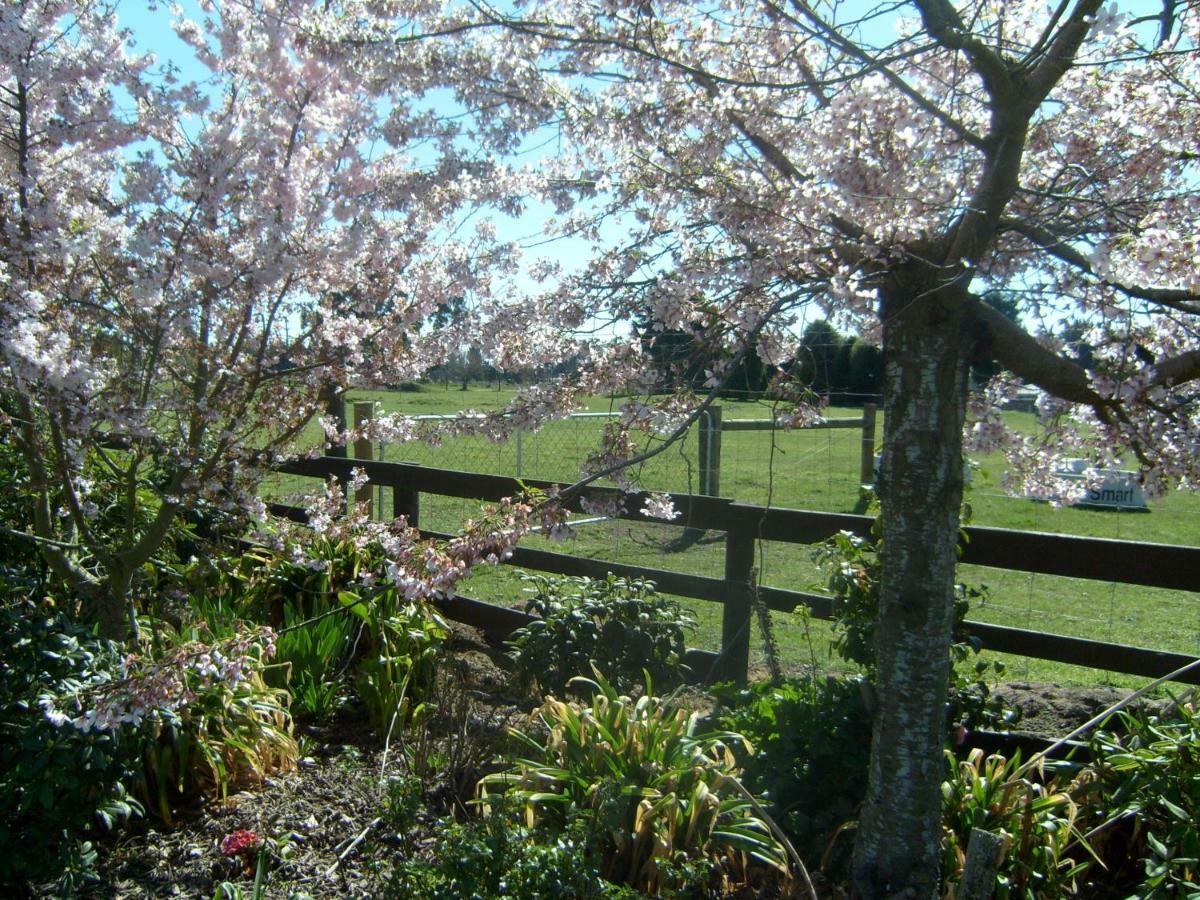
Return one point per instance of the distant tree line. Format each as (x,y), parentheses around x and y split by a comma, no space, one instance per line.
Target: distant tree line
(843,368)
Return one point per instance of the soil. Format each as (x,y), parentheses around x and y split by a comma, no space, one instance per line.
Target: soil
(334,837)
(1051,711)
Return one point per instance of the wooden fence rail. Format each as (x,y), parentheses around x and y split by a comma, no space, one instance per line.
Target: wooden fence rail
(1152,565)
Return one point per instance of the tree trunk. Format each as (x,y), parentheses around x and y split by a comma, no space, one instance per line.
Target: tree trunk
(925,381)
(113,617)
(108,610)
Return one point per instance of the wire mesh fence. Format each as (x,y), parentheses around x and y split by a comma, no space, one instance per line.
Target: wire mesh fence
(822,470)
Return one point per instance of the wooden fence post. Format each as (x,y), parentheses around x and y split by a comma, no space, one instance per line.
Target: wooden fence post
(406,502)
(710,452)
(738,598)
(364,448)
(335,408)
(866,472)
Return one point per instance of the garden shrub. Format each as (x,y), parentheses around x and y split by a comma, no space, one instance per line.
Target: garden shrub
(657,796)
(311,655)
(196,713)
(498,858)
(57,782)
(1034,814)
(401,641)
(812,744)
(620,626)
(232,730)
(20,564)
(1146,796)
(397,673)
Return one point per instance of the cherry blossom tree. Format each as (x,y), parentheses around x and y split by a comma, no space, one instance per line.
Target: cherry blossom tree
(891,163)
(188,266)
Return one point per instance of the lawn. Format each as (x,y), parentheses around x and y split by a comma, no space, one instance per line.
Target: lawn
(817,469)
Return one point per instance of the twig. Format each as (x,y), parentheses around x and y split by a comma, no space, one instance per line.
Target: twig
(1097,719)
(38,539)
(779,835)
(362,835)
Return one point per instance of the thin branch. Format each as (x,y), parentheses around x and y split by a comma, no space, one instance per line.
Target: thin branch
(1058,247)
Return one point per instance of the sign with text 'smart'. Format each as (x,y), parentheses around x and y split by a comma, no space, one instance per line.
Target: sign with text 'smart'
(1108,488)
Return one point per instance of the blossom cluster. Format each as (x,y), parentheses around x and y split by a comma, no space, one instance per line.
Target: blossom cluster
(420,568)
(148,685)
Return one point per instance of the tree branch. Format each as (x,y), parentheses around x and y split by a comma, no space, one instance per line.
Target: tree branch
(1059,55)
(1178,369)
(1016,350)
(1174,298)
(945,26)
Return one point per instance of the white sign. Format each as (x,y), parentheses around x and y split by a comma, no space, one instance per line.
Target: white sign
(1108,488)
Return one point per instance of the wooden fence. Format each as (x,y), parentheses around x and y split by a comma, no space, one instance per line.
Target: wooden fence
(1151,565)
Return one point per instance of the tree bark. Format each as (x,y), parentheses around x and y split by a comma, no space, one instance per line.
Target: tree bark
(110,612)
(926,346)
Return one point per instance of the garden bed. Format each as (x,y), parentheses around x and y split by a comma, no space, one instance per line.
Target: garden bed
(336,830)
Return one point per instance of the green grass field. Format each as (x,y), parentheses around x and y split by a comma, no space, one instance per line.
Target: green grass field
(819,470)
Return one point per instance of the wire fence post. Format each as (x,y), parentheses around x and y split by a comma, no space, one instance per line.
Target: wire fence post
(738,599)
(364,412)
(710,452)
(520,453)
(866,472)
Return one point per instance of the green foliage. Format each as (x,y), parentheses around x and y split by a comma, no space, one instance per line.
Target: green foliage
(497,858)
(1148,780)
(271,580)
(813,743)
(20,563)
(56,782)
(851,564)
(1035,817)
(658,794)
(311,654)
(401,639)
(397,674)
(620,626)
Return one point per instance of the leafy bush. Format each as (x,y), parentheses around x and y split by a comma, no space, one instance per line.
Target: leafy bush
(234,729)
(812,738)
(273,579)
(397,674)
(1035,817)
(197,713)
(658,794)
(20,563)
(310,655)
(402,639)
(1147,793)
(620,626)
(500,859)
(56,782)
